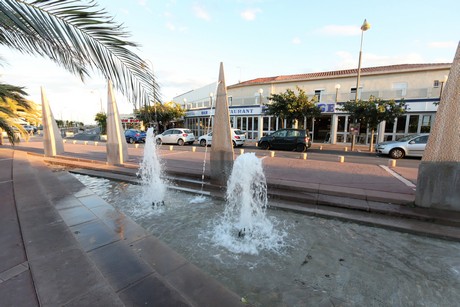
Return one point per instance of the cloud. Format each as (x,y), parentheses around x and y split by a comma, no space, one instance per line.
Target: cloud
(170,26)
(336,30)
(201,13)
(448,44)
(250,14)
(296,41)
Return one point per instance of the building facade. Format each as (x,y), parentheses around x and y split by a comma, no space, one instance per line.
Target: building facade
(420,85)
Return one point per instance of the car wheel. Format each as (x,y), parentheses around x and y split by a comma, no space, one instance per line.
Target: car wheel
(234,144)
(397,153)
(203,143)
(158,141)
(180,142)
(264,146)
(131,141)
(300,147)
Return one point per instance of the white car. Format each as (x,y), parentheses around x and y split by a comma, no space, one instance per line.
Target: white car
(238,138)
(409,145)
(179,136)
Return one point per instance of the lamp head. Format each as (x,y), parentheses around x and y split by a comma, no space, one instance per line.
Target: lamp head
(337,86)
(261,91)
(366,26)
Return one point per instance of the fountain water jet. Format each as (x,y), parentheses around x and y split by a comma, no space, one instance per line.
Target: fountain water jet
(150,171)
(244,226)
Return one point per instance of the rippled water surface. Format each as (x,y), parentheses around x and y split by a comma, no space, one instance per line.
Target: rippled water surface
(319,261)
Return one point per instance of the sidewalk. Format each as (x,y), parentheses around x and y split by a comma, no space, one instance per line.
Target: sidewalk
(57,242)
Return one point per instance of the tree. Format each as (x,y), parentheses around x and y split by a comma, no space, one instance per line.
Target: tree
(101,119)
(14,107)
(292,107)
(372,112)
(80,37)
(166,113)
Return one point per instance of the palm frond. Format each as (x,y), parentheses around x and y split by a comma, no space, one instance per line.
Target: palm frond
(81,37)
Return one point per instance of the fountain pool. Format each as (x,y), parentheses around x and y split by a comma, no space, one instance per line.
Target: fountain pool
(320,261)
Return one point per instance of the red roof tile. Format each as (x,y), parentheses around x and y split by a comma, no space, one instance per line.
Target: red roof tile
(346,73)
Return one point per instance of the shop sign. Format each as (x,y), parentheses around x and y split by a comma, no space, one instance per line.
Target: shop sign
(327,107)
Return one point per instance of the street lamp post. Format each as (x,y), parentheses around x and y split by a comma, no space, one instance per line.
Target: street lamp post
(442,86)
(337,87)
(210,98)
(261,91)
(366,26)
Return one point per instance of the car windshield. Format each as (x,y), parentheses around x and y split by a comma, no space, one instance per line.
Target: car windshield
(187,131)
(407,138)
(238,132)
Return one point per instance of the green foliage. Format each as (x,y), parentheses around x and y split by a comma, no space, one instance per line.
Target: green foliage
(373,111)
(79,36)
(14,107)
(290,106)
(166,112)
(101,119)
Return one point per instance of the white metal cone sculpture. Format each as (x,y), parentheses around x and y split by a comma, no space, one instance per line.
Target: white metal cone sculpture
(117,149)
(52,140)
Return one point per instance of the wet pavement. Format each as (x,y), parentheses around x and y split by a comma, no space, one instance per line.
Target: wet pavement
(62,245)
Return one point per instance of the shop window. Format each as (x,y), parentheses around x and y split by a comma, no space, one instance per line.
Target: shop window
(265,123)
(426,124)
(413,123)
(341,124)
(256,123)
(389,127)
(401,124)
(436,83)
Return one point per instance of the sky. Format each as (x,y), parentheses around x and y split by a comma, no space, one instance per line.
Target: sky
(185,41)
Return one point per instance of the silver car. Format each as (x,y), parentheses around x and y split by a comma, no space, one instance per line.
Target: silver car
(179,136)
(409,145)
(238,138)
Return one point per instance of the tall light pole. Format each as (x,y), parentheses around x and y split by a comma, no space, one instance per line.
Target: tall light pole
(366,26)
(337,88)
(442,85)
(261,91)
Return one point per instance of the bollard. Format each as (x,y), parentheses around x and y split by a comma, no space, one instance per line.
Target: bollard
(272,154)
(193,148)
(321,147)
(391,163)
(136,145)
(346,148)
(86,142)
(341,159)
(75,142)
(171,148)
(241,151)
(303,156)
(95,143)
(64,140)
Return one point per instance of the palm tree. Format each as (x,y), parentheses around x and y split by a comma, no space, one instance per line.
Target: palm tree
(80,37)
(13,102)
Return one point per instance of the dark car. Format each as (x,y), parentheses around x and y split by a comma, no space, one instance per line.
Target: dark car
(135,136)
(287,139)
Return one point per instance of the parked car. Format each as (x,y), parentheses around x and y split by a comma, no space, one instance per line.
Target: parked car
(135,136)
(409,145)
(287,139)
(238,138)
(179,136)
(30,129)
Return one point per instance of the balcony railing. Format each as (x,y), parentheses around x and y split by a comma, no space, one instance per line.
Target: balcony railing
(327,97)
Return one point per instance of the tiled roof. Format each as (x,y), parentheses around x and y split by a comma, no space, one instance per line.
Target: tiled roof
(346,73)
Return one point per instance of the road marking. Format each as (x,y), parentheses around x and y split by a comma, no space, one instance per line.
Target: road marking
(399,177)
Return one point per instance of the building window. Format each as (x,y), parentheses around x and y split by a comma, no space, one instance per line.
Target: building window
(436,83)
(413,123)
(401,124)
(318,95)
(426,124)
